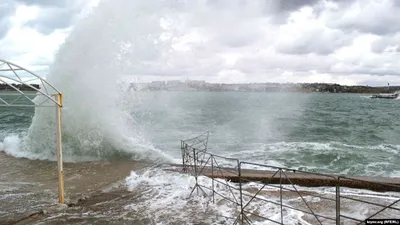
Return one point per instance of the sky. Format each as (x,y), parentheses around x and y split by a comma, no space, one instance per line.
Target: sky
(348,42)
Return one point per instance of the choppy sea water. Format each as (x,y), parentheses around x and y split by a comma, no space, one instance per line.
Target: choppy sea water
(329,133)
(335,133)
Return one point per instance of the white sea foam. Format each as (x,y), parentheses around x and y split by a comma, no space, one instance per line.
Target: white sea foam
(166,195)
(329,157)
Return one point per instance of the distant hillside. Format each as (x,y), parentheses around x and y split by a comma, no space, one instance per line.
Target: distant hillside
(251,87)
(258,87)
(22,87)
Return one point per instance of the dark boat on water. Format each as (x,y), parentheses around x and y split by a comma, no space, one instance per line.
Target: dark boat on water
(386,96)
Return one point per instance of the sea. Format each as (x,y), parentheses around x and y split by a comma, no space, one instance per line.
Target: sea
(348,134)
(118,144)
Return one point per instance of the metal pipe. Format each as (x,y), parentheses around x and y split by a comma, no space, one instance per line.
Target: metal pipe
(212,180)
(59,151)
(280,194)
(338,201)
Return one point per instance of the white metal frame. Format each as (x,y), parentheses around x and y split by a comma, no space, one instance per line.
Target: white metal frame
(10,74)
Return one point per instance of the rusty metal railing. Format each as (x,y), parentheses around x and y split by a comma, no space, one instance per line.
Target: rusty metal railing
(272,193)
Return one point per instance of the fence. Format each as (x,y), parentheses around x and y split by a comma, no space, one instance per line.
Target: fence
(279,191)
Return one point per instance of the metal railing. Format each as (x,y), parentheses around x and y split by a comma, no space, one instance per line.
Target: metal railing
(253,193)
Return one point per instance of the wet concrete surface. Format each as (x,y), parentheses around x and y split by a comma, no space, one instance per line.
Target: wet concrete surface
(29,186)
(97,194)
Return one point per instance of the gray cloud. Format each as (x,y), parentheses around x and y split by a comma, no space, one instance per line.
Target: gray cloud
(391,43)
(53,14)
(45,3)
(279,10)
(4,27)
(380,18)
(51,19)
(317,41)
(7,8)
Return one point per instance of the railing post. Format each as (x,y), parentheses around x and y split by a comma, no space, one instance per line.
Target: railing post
(280,193)
(338,201)
(60,168)
(212,177)
(195,168)
(183,157)
(240,193)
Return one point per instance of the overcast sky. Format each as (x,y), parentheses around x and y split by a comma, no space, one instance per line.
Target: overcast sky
(340,41)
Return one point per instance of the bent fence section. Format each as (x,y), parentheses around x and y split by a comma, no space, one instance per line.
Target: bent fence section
(257,192)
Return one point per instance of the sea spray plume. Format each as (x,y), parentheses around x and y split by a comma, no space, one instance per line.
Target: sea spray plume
(154,37)
(86,70)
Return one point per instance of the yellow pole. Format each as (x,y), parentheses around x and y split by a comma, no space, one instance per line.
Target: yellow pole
(59,150)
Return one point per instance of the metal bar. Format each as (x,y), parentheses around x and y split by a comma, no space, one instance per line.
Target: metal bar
(15,100)
(27,106)
(59,151)
(16,89)
(258,191)
(4,102)
(371,182)
(212,180)
(38,90)
(191,139)
(203,166)
(351,218)
(280,194)
(223,197)
(240,194)
(195,168)
(242,217)
(44,86)
(42,103)
(382,209)
(287,169)
(302,198)
(263,217)
(338,202)
(8,70)
(7,93)
(30,72)
(9,66)
(290,207)
(371,203)
(308,194)
(199,186)
(27,81)
(183,157)
(227,184)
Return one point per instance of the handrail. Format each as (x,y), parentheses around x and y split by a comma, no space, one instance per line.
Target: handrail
(199,162)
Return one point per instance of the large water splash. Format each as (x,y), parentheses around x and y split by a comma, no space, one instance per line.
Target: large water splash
(119,37)
(86,70)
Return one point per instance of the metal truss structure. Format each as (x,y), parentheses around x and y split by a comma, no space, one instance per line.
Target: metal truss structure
(20,87)
(277,189)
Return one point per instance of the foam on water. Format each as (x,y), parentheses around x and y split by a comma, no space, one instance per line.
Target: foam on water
(330,157)
(166,195)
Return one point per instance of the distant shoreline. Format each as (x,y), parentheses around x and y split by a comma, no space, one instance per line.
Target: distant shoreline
(260,87)
(250,87)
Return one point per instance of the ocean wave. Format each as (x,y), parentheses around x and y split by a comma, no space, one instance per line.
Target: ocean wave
(331,157)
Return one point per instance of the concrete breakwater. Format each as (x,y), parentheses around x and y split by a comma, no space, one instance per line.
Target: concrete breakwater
(380,184)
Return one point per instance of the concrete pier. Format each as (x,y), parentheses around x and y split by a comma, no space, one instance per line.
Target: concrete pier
(380,184)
